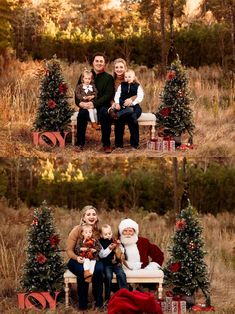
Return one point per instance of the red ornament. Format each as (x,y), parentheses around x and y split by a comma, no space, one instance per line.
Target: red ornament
(63,88)
(170,75)
(41,259)
(180,93)
(192,245)
(54,240)
(165,112)
(51,104)
(180,224)
(35,222)
(175,267)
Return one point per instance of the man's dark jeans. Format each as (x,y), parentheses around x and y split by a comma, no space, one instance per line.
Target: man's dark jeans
(104,119)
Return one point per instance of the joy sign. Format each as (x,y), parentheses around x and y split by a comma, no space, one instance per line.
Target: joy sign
(49,139)
(42,299)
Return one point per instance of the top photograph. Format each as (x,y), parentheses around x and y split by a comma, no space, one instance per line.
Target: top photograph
(114,78)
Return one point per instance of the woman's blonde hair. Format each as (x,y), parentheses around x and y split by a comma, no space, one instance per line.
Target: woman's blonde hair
(118,60)
(82,222)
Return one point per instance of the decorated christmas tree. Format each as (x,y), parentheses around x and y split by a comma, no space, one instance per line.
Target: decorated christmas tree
(44,267)
(54,112)
(186,272)
(174,113)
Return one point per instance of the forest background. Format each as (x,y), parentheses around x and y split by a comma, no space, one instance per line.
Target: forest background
(137,30)
(150,184)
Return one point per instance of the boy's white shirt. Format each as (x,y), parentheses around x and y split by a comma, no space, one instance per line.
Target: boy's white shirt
(105,252)
(139,96)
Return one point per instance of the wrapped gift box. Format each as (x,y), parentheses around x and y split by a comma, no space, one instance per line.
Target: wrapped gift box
(155,144)
(168,144)
(173,305)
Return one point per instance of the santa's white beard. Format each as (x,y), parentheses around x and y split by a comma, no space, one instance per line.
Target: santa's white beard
(129,240)
(131,251)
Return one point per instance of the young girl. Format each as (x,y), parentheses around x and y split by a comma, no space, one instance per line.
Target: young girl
(112,262)
(86,91)
(88,248)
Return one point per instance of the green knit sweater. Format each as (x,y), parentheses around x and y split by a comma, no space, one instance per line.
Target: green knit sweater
(104,83)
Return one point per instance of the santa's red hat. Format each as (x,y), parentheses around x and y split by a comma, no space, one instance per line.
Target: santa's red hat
(128,223)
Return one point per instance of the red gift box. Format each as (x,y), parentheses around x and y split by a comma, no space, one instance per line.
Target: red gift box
(168,144)
(174,304)
(155,144)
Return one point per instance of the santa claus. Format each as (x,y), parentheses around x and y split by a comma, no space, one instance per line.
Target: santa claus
(140,253)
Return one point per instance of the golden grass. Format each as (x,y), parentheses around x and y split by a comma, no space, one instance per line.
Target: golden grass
(212,104)
(218,234)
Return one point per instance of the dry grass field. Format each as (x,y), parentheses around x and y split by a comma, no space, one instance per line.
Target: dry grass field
(218,234)
(213,107)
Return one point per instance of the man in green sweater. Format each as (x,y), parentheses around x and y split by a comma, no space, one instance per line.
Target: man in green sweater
(104,83)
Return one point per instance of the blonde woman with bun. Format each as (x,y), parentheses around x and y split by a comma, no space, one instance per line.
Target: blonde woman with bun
(132,102)
(89,216)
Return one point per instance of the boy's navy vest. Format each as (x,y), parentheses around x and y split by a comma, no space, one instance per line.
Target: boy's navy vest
(105,243)
(127,91)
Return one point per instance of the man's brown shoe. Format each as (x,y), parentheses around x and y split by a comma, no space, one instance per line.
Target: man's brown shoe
(107,149)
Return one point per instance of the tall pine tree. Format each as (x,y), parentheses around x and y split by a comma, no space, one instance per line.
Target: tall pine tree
(54,112)
(186,271)
(44,267)
(174,112)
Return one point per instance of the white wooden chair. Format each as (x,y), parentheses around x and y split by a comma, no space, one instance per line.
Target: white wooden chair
(132,276)
(146,119)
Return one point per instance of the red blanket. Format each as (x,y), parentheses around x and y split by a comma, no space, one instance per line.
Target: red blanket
(135,302)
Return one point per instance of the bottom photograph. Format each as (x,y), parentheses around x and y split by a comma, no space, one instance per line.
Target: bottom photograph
(117,235)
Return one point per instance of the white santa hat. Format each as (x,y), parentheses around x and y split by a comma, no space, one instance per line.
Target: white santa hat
(128,223)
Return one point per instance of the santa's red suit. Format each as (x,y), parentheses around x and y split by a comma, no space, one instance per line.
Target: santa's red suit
(140,253)
(146,250)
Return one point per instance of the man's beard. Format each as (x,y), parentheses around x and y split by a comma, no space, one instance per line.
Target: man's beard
(130,240)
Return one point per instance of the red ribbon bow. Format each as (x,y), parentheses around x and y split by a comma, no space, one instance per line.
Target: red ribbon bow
(169,293)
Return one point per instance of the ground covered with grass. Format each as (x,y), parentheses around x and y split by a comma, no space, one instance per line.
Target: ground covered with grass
(218,235)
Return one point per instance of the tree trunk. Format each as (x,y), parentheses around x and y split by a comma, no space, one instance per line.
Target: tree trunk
(171,53)
(185,196)
(232,17)
(163,37)
(175,176)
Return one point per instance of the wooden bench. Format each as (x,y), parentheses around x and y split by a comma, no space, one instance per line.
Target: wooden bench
(132,276)
(146,119)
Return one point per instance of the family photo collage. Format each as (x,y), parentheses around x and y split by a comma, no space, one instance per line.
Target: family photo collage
(117,157)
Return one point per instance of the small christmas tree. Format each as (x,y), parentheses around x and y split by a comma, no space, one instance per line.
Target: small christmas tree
(186,270)
(53,112)
(174,112)
(44,267)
